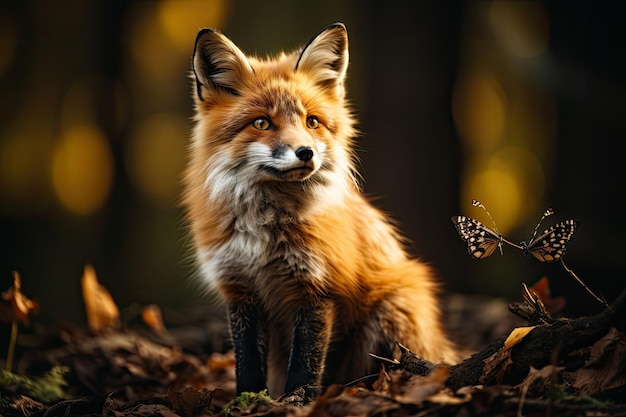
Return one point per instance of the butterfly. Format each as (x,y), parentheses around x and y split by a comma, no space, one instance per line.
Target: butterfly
(481,241)
(548,246)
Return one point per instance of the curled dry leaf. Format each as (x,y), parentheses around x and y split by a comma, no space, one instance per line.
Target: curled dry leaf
(497,364)
(151,315)
(382,383)
(102,313)
(21,305)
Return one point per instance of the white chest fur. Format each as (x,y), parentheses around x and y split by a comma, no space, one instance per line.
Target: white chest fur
(267,259)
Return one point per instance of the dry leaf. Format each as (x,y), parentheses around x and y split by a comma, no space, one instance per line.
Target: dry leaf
(352,401)
(186,402)
(102,313)
(21,305)
(222,361)
(497,364)
(382,383)
(516,336)
(151,315)
(537,380)
(446,397)
(606,367)
(418,388)
(542,289)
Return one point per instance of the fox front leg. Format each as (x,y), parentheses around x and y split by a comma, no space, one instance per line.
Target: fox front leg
(311,337)
(250,347)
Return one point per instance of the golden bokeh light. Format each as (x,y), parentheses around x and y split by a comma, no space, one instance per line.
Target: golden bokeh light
(152,55)
(521,27)
(162,35)
(155,156)
(82,169)
(479,110)
(181,19)
(530,175)
(510,182)
(505,120)
(499,190)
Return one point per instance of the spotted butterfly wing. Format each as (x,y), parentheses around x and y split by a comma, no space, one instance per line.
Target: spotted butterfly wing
(549,246)
(481,241)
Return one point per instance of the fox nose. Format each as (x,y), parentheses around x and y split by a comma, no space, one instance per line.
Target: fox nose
(304,153)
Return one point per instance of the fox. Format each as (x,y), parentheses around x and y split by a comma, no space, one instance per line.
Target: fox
(313,276)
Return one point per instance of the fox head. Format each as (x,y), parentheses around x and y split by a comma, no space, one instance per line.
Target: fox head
(278,122)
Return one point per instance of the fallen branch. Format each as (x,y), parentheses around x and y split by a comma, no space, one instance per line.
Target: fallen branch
(508,359)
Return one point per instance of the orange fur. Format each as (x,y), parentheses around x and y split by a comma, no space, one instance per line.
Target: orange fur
(281,232)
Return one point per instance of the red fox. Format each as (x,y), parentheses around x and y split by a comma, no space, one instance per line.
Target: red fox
(314,277)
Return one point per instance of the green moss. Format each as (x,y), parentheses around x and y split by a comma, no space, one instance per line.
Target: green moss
(562,393)
(47,388)
(246,400)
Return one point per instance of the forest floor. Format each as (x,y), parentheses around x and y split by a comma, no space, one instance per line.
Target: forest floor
(183,366)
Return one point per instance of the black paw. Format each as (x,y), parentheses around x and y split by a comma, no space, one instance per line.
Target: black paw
(302,395)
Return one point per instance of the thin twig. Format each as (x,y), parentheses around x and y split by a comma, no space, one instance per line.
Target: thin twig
(12,341)
(580,281)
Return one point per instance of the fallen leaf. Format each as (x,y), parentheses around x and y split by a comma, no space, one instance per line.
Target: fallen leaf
(542,289)
(606,367)
(447,397)
(382,383)
(419,388)
(189,402)
(538,379)
(21,305)
(151,315)
(497,364)
(352,402)
(102,313)
(222,361)
(516,336)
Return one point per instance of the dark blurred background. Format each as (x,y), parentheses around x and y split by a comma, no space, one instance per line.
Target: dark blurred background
(516,104)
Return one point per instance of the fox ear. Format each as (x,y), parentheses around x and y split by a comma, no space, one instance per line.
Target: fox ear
(218,64)
(325,57)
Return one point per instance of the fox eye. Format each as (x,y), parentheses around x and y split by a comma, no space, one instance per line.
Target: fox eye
(262,123)
(312,122)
